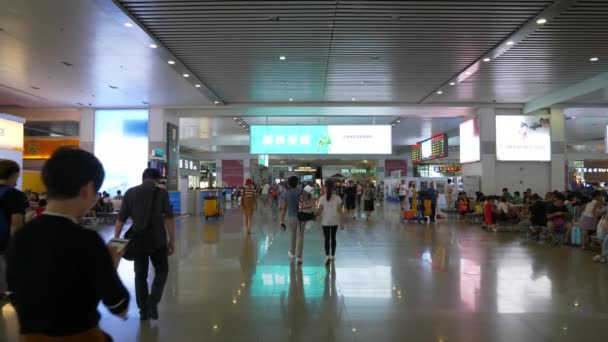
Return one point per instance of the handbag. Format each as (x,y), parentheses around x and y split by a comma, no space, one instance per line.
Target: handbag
(135,247)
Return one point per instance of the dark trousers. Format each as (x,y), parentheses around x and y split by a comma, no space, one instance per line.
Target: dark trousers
(433,210)
(330,235)
(160,262)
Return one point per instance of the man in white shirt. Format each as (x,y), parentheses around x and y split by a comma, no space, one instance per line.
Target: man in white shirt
(265,191)
(402,194)
(449,190)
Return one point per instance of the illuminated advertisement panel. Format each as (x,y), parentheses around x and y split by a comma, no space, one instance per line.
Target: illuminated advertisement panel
(523,138)
(469,141)
(321,139)
(121,143)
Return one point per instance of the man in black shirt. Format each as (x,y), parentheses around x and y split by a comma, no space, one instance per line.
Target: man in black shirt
(12,212)
(351,196)
(58,270)
(149,207)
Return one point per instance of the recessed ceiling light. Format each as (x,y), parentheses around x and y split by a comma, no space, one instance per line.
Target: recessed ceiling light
(186,75)
(153,46)
(353,99)
(290,100)
(541,21)
(171,62)
(439,92)
(452,83)
(510,42)
(282,58)
(197,85)
(235,118)
(594,59)
(398,120)
(487,59)
(128,25)
(34,87)
(216,102)
(468,73)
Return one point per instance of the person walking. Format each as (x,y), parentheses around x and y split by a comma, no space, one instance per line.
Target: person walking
(290,207)
(330,207)
(149,208)
(432,195)
(13,204)
(59,271)
(350,199)
(449,190)
(402,192)
(368,199)
(249,204)
(411,194)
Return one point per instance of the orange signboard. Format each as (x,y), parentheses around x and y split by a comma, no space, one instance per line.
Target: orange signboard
(44,148)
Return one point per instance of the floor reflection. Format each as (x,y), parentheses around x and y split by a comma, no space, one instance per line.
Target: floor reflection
(391,281)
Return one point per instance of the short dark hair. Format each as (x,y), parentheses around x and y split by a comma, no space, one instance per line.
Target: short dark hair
(504,189)
(449,181)
(119,192)
(292,181)
(516,193)
(8,168)
(151,174)
(559,197)
(42,203)
(69,170)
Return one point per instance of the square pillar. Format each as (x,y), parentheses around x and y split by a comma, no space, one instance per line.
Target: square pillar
(558,149)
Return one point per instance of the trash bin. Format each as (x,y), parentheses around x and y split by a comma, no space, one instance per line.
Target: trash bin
(211,209)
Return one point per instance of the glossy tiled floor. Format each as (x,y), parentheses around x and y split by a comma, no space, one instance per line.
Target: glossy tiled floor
(392,281)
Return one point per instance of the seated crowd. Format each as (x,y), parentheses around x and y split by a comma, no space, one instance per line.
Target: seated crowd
(576,218)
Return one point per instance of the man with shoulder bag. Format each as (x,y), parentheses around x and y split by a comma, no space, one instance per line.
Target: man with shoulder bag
(149,208)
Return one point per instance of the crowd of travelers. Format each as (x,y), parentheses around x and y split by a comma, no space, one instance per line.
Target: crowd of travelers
(577,218)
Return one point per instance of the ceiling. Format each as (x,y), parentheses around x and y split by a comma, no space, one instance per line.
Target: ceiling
(348,61)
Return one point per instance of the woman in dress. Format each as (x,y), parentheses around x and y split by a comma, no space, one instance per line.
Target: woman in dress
(592,212)
(248,203)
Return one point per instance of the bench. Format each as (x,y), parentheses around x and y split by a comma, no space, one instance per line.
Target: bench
(473,218)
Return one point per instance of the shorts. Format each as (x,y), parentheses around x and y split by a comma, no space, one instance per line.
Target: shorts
(350,203)
(588,223)
(368,205)
(401,198)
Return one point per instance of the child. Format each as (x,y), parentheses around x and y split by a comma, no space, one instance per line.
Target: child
(488,213)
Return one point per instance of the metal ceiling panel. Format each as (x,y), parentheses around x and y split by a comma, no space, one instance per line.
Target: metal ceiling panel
(555,56)
(391,51)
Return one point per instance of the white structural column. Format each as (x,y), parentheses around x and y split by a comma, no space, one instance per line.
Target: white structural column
(87,130)
(486,167)
(380,170)
(558,149)
(218,173)
(246,169)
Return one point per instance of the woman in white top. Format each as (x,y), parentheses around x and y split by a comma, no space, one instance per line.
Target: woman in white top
(590,216)
(330,207)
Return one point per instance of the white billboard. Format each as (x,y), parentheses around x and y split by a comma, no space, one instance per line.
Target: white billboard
(360,140)
(469,141)
(523,138)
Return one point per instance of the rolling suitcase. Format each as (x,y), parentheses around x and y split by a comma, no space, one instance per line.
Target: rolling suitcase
(576,237)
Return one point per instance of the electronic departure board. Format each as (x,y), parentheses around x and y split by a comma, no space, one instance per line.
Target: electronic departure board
(433,148)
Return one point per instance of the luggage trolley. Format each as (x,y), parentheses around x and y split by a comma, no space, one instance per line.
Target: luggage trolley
(211,206)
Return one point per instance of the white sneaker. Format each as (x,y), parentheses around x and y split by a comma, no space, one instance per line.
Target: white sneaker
(597,258)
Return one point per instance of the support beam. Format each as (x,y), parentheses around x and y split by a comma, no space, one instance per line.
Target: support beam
(585,87)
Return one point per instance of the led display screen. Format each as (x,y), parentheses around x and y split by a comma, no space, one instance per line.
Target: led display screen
(469,141)
(433,148)
(121,143)
(523,138)
(321,139)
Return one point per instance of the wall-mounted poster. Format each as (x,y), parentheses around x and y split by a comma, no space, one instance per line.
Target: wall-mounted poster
(523,138)
(469,141)
(232,173)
